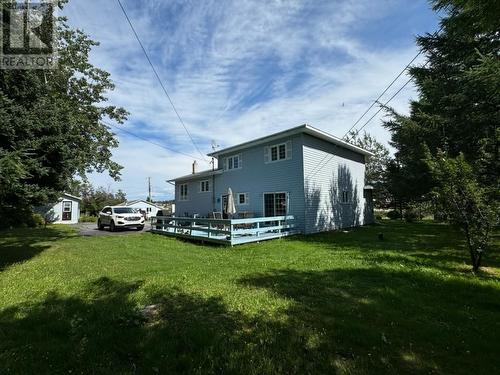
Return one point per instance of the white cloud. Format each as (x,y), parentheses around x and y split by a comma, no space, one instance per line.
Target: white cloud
(215,55)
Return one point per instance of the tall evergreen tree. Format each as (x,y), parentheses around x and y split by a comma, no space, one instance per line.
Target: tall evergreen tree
(458,109)
(449,143)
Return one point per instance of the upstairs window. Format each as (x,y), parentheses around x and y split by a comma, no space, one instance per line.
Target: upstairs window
(204,186)
(281,151)
(233,162)
(345,197)
(183,192)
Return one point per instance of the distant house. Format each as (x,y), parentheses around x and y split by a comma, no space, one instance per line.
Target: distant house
(149,208)
(305,172)
(65,211)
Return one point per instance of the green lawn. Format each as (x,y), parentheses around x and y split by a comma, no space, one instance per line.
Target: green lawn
(343,303)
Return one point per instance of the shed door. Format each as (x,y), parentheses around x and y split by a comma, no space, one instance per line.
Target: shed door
(66,214)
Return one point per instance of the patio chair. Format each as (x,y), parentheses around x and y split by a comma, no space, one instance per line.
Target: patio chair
(218,216)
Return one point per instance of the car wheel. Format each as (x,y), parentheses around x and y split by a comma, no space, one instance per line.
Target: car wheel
(99,225)
(112,226)
(140,228)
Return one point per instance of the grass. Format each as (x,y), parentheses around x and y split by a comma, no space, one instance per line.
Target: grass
(343,303)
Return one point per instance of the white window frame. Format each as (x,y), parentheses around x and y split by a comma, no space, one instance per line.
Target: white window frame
(269,152)
(287,201)
(238,199)
(345,197)
(232,157)
(70,206)
(183,197)
(207,190)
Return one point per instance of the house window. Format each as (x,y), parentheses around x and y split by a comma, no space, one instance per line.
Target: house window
(242,198)
(275,204)
(345,197)
(66,214)
(282,151)
(66,206)
(233,162)
(204,186)
(183,190)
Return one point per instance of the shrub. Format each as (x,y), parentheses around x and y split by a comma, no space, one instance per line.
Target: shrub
(393,215)
(37,220)
(87,219)
(411,215)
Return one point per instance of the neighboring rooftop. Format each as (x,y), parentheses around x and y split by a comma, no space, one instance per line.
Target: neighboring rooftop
(307,129)
(128,203)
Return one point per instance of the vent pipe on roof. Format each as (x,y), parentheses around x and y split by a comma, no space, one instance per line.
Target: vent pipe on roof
(195,167)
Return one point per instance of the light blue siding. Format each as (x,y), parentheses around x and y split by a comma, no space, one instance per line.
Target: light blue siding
(254,178)
(329,170)
(257,177)
(324,183)
(197,202)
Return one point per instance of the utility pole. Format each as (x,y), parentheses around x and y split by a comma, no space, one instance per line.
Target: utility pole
(149,189)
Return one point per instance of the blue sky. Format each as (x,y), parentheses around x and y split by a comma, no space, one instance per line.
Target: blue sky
(241,69)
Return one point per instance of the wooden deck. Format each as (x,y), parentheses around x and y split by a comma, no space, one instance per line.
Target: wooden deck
(225,231)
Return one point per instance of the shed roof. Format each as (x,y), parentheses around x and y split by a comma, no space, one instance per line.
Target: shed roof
(72,196)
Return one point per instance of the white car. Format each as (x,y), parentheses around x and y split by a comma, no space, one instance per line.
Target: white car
(120,217)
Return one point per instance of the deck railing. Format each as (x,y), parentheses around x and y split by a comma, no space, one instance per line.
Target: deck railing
(226,231)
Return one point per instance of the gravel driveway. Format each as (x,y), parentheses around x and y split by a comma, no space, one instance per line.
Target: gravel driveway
(90,230)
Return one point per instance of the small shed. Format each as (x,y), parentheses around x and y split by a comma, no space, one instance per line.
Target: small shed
(65,211)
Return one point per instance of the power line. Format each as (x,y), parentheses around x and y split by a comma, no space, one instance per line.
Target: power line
(159,79)
(322,163)
(149,141)
(383,92)
(382,106)
(388,87)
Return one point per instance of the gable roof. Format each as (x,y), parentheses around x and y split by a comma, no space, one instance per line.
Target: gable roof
(128,203)
(306,129)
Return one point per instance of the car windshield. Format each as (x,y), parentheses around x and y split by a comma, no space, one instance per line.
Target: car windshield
(124,210)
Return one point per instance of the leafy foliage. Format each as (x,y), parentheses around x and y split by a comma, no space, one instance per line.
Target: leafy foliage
(50,121)
(94,199)
(465,202)
(376,167)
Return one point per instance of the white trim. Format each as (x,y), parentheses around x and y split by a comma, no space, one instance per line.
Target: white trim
(238,199)
(348,195)
(287,144)
(226,164)
(287,200)
(307,129)
(186,197)
(200,190)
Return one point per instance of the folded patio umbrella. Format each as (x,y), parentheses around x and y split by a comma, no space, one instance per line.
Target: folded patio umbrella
(231,209)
